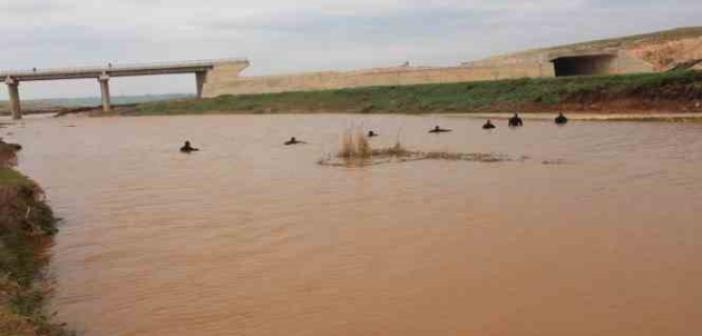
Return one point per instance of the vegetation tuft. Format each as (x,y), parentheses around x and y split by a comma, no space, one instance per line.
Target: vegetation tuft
(356,152)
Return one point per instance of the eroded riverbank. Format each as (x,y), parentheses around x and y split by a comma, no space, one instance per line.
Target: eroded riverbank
(27,227)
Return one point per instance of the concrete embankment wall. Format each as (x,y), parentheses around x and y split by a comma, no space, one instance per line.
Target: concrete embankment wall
(220,74)
(227,84)
(225,79)
(636,54)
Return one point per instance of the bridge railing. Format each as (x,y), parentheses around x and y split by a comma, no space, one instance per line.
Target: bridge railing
(119,67)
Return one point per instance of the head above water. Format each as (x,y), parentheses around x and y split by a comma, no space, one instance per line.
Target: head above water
(187,143)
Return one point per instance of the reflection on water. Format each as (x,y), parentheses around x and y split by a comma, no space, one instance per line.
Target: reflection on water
(250,237)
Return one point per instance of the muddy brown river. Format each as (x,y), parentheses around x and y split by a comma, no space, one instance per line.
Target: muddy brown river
(598,232)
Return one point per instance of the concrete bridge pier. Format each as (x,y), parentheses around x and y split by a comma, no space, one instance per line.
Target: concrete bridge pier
(104,80)
(13,90)
(200,77)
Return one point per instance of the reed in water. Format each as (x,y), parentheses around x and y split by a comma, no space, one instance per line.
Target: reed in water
(356,151)
(355,146)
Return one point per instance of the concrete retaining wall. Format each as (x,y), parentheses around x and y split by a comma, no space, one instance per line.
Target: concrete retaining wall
(376,77)
(637,54)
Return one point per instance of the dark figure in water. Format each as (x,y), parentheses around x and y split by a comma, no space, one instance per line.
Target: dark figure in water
(187,148)
(372,134)
(515,121)
(438,129)
(293,141)
(488,125)
(561,119)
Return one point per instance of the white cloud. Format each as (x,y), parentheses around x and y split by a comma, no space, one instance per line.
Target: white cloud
(287,36)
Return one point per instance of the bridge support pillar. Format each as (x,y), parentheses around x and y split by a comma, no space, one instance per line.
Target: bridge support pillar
(200,77)
(104,80)
(13,90)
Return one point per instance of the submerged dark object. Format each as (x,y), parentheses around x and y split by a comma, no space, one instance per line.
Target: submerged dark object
(187,148)
(489,125)
(561,119)
(438,129)
(372,134)
(515,121)
(294,141)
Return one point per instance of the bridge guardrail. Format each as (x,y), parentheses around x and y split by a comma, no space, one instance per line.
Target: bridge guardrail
(118,67)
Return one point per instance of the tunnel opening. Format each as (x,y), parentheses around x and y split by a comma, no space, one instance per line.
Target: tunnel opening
(583,65)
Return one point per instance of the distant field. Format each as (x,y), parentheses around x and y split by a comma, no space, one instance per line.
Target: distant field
(677,91)
(43,104)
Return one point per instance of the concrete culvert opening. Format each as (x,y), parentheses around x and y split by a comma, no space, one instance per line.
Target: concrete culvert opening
(583,65)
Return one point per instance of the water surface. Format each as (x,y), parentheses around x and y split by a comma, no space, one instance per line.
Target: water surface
(249,237)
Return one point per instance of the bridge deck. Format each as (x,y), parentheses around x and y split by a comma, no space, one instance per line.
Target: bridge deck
(115,70)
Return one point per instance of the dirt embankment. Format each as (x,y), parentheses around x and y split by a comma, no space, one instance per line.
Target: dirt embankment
(27,226)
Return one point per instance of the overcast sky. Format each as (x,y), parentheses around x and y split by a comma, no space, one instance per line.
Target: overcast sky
(280,36)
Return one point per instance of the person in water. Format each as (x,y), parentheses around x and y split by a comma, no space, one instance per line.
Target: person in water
(515,121)
(187,148)
(293,141)
(561,119)
(372,134)
(438,129)
(488,125)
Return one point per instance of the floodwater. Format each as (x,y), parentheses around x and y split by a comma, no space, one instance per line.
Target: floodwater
(249,237)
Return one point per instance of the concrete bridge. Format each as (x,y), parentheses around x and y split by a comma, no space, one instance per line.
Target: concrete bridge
(204,71)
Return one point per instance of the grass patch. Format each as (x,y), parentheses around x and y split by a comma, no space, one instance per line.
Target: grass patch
(12,178)
(449,97)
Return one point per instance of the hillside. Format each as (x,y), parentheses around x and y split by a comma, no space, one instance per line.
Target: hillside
(662,50)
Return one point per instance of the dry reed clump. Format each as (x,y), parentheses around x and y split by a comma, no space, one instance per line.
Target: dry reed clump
(356,151)
(354,145)
(395,151)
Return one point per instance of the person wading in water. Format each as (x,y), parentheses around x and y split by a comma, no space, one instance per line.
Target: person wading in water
(515,121)
(294,141)
(438,129)
(187,148)
(489,125)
